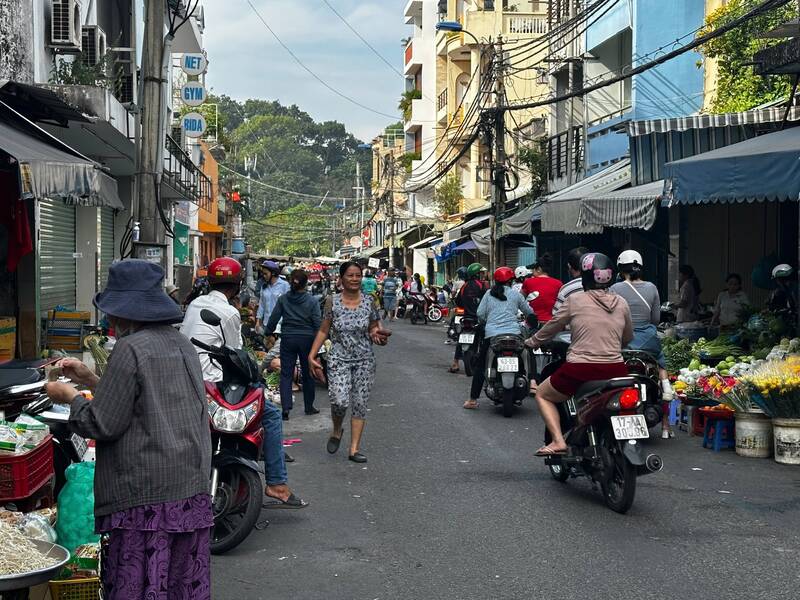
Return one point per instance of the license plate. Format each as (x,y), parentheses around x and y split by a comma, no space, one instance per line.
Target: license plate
(507,364)
(466,338)
(457,320)
(79,444)
(630,427)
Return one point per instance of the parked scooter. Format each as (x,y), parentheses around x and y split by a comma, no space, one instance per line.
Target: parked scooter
(235,406)
(603,424)
(508,370)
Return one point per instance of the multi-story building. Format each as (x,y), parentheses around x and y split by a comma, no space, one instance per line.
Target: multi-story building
(420,71)
(70,80)
(584,133)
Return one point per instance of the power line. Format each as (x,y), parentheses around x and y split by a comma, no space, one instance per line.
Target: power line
(284,190)
(312,73)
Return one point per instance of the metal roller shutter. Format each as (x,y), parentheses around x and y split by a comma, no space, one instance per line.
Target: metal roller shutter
(57,269)
(106,245)
(510,254)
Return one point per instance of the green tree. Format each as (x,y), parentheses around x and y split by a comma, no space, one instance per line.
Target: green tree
(533,160)
(301,230)
(404,106)
(738,87)
(448,195)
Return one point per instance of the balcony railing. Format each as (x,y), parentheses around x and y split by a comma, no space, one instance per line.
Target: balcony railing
(525,24)
(183,176)
(441,101)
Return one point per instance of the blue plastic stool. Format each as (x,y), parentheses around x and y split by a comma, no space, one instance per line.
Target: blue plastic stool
(674,408)
(722,436)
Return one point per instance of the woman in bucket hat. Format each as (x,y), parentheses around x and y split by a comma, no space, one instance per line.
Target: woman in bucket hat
(149,420)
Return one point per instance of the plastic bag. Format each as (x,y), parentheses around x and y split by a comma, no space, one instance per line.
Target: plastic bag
(9,440)
(37,527)
(75,524)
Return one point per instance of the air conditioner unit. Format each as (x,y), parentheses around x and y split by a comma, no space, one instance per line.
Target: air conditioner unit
(65,25)
(93,45)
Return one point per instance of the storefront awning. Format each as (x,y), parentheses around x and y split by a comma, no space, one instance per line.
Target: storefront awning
(458,231)
(426,243)
(482,240)
(772,114)
(520,223)
(562,209)
(468,245)
(51,169)
(762,168)
(629,208)
(209,227)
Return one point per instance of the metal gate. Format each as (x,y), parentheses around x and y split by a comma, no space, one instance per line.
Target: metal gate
(107,245)
(57,270)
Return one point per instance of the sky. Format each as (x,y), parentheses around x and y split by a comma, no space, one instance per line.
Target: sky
(245,61)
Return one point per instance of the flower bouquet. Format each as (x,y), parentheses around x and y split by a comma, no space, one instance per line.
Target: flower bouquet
(775,388)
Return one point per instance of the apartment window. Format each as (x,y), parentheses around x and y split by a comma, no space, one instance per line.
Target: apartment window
(418,142)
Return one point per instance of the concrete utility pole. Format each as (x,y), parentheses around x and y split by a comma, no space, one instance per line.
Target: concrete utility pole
(499,162)
(152,229)
(390,199)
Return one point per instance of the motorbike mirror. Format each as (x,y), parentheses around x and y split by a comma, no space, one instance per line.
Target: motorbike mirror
(210,318)
(532,296)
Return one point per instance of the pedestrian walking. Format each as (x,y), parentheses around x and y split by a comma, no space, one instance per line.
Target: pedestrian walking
(273,288)
(149,418)
(353,324)
(391,285)
(301,321)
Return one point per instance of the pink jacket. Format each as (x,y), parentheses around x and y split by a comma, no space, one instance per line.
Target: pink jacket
(600,324)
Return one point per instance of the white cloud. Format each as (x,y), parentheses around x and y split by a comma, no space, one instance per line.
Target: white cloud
(247,62)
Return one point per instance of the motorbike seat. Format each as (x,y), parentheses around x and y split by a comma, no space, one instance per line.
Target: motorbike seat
(592,387)
(12,377)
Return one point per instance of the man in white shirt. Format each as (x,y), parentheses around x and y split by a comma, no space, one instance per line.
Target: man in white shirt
(224,277)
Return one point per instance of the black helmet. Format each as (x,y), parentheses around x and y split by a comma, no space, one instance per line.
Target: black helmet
(597,272)
(461,273)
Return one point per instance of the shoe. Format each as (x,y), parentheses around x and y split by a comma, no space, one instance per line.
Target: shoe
(287,457)
(285,416)
(333,444)
(312,411)
(357,458)
(667,433)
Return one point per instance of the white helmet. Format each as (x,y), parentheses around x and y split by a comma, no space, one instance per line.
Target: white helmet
(521,272)
(782,270)
(631,259)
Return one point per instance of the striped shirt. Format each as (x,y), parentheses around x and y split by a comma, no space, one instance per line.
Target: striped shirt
(569,288)
(150,423)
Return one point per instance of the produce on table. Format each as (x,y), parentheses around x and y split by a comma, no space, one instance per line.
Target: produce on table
(18,555)
(719,347)
(677,352)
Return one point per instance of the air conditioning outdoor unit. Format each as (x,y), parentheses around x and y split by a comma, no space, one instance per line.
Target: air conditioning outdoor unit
(65,25)
(93,44)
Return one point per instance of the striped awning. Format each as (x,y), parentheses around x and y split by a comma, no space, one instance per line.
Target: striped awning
(630,208)
(561,210)
(772,114)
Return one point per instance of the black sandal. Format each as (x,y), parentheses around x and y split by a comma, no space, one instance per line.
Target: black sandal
(333,443)
(357,458)
(292,502)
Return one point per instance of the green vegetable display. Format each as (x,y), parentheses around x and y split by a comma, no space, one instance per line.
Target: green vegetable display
(677,352)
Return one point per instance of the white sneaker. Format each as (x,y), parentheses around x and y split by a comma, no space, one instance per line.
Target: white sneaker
(667,434)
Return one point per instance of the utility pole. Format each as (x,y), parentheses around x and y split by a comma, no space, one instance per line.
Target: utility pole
(148,176)
(390,200)
(360,198)
(499,159)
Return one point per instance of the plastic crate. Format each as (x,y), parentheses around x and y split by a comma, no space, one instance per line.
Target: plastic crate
(21,475)
(76,589)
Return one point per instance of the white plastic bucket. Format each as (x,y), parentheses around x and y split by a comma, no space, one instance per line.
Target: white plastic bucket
(753,435)
(787,440)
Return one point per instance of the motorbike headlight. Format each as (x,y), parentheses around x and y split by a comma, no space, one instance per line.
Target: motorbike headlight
(230,421)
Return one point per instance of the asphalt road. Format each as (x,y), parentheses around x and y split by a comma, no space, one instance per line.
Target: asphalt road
(453,505)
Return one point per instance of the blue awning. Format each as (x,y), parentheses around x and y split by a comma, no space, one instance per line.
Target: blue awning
(763,168)
(468,245)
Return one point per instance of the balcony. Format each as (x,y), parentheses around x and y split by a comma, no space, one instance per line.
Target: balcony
(483,24)
(182,179)
(413,59)
(413,12)
(441,106)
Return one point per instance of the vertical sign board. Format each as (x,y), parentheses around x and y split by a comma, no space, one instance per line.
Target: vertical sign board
(193,124)
(193,93)
(194,64)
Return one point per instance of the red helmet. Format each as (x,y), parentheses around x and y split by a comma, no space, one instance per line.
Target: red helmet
(503,275)
(224,270)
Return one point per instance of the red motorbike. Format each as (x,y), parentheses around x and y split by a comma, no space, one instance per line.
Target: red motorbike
(235,407)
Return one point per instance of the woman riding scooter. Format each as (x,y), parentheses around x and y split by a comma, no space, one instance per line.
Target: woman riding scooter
(600,324)
(498,310)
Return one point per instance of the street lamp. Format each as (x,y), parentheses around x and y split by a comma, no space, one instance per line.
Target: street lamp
(455,27)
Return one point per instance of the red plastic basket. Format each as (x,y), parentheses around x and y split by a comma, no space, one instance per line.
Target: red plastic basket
(22,475)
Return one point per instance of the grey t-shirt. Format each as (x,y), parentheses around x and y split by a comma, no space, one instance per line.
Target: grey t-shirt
(641,313)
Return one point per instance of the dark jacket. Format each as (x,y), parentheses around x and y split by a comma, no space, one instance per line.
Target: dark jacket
(300,312)
(469,296)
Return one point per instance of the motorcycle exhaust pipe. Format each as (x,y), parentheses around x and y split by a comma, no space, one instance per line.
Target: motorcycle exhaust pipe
(654,463)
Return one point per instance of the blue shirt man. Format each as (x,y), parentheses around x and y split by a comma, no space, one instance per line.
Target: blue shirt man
(274,287)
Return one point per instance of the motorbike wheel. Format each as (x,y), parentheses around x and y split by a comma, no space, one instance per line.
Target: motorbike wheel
(468,363)
(508,403)
(559,472)
(237,506)
(619,488)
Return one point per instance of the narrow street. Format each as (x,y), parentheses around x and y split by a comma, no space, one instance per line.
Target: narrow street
(452,505)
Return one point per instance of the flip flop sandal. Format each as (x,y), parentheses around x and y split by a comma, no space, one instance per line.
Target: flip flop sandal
(292,502)
(545,451)
(333,444)
(452,370)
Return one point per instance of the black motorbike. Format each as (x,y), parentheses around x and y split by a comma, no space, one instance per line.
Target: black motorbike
(470,337)
(418,308)
(509,366)
(603,423)
(645,366)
